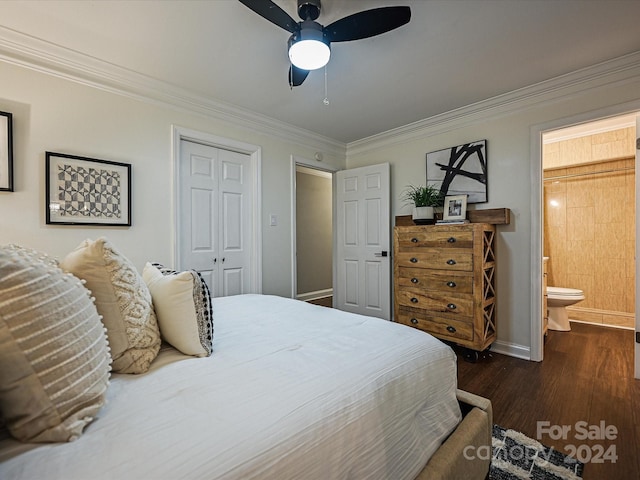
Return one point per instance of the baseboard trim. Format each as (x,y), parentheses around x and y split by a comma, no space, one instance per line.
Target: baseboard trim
(511,349)
(605,325)
(327,292)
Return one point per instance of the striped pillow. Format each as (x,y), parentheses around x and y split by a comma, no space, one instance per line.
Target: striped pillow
(182,302)
(54,357)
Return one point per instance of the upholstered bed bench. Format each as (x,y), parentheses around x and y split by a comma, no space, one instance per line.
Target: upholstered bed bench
(474,431)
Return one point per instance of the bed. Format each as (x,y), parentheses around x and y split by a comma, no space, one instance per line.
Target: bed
(291,390)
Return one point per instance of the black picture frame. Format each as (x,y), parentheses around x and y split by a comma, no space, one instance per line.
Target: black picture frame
(6,152)
(87,191)
(460,170)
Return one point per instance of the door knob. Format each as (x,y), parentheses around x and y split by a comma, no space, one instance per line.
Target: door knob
(381,254)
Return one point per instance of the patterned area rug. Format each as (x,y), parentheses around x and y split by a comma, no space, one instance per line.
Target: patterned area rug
(516,456)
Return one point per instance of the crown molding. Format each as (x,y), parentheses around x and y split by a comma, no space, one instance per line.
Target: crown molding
(29,52)
(619,70)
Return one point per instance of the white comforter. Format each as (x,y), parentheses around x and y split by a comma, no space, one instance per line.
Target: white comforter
(292,391)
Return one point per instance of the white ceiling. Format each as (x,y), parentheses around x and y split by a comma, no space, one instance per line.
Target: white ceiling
(453,53)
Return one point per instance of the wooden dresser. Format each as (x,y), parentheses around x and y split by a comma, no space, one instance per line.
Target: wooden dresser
(444,282)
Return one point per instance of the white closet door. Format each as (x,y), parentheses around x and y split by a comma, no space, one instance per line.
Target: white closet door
(235,223)
(199,210)
(215,216)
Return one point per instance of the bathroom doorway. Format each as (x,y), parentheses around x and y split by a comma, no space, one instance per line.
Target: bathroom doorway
(588,212)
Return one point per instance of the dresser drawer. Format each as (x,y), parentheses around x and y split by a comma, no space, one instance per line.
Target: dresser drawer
(453,282)
(455,259)
(444,281)
(436,302)
(436,237)
(439,326)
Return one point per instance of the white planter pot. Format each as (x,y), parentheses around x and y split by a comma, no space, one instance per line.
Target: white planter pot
(423,213)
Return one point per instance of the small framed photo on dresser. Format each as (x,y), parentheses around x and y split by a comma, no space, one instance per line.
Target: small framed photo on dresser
(6,152)
(455,208)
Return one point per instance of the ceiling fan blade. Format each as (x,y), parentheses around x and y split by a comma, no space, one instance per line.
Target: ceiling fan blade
(272,12)
(367,24)
(297,76)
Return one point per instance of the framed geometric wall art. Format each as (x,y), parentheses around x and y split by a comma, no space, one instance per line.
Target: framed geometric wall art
(460,170)
(87,191)
(6,152)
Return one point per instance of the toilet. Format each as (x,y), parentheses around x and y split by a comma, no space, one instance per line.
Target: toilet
(558,299)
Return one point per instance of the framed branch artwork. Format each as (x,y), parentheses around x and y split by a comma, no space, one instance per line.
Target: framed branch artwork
(87,191)
(6,152)
(460,170)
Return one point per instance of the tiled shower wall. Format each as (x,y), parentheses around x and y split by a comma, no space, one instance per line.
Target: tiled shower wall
(589,223)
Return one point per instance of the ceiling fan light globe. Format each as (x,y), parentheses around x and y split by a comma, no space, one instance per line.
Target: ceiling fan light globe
(309,54)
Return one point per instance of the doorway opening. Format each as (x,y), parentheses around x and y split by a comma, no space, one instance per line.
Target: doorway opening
(312,230)
(588,215)
(314,235)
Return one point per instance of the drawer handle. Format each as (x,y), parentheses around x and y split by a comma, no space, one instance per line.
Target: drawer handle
(451,306)
(414,280)
(451,261)
(414,321)
(414,300)
(451,329)
(414,240)
(451,240)
(413,260)
(451,284)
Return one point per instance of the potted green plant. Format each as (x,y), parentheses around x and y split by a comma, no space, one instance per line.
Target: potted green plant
(424,199)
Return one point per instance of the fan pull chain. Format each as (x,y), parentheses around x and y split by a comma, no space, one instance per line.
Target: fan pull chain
(326,94)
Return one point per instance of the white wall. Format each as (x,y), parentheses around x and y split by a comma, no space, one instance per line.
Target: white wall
(55,114)
(508,128)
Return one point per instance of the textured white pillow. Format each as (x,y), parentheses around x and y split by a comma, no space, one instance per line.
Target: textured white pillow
(182,302)
(123,300)
(54,357)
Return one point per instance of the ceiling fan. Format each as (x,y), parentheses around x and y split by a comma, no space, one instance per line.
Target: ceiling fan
(309,44)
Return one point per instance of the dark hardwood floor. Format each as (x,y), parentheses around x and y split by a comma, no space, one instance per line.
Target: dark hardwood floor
(324,301)
(586,376)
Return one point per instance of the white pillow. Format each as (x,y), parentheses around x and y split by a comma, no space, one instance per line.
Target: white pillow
(182,302)
(123,300)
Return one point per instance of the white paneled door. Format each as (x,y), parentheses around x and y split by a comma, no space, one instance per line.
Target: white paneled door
(363,255)
(214,220)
